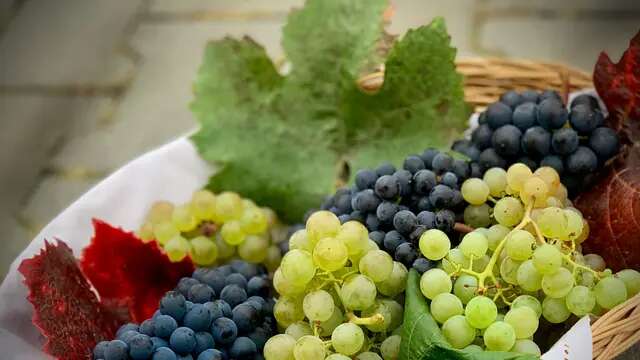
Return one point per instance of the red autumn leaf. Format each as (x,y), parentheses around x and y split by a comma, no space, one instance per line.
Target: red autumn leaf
(612,205)
(125,270)
(66,310)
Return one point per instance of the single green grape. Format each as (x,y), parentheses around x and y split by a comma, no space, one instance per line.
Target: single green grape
(254,248)
(509,270)
(508,211)
(165,231)
(396,283)
(528,301)
(553,222)
(203,205)
(327,327)
(232,233)
(279,347)
(288,311)
(300,240)
(225,250)
(520,245)
(177,248)
(309,347)
(434,244)
(499,336)
(558,284)
(397,313)
(377,265)
(297,267)
(203,251)
(477,215)
(547,259)
(555,310)
(445,305)
(475,191)
(298,329)
(358,292)
(390,347)
(495,234)
(355,237)
(318,305)
(526,346)
(480,312)
(229,206)
(631,279)
(347,338)
(474,244)
(535,190)
(528,276)
(382,309)
(330,254)
(434,282)
(580,300)
(458,332)
(496,180)
(465,287)
(473,348)
(524,321)
(517,174)
(253,220)
(322,224)
(575,223)
(610,291)
(594,262)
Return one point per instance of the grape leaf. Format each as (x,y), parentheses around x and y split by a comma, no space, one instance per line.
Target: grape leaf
(284,141)
(66,310)
(612,205)
(422,338)
(128,272)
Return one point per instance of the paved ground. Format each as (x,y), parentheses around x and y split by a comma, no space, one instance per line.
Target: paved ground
(86,85)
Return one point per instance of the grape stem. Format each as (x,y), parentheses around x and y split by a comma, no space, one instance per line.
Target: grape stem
(375,319)
(462,228)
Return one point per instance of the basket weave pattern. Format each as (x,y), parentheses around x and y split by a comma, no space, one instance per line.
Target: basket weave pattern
(485,79)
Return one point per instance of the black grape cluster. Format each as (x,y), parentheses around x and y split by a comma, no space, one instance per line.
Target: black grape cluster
(537,130)
(398,205)
(217,314)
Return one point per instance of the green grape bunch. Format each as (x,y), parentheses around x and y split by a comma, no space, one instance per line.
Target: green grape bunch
(214,228)
(337,295)
(523,261)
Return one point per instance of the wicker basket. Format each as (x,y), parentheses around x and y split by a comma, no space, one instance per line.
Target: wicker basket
(485,79)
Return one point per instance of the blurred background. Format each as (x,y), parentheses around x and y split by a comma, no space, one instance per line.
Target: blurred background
(86,85)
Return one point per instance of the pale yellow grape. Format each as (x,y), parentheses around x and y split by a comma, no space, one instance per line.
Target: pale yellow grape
(318,305)
(164,232)
(528,276)
(445,305)
(322,224)
(203,250)
(273,258)
(458,332)
(355,237)
(254,248)
(298,329)
(378,308)
(327,327)
(177,248)
(519,245)
(558,284)
(279,347)
(395,284)
(508,211)
(561,193)
(160,212)
(523,320)
(480,312)
(495,234)
(297,267)
(330,254)
(550,177)
(595,262)
(377,265)
(434,282)
(580,300)
(585,278)
(225,250)
(474,191)
(584,234)
(183,218)
(309,348)
(397,313)
(358,292)
(474,244)
(434,244)
(631,279)
(145,233)
(499,336)
(390,347)
(509,270)
(574,225)
(526,346)
(555,310)
(288,310)
(552,222)
(496,180)
(456,257)
(300,240)
(229,206)
(465,287)
(528,301)
(347,338)
(610,292)
(477,215)
(232,233)
(517,174)
(203,204)
(547,259)
(253,220)
(534,189)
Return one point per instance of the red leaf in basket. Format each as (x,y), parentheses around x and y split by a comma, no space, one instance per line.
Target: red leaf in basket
(123,269)
(66,310)
(612,205)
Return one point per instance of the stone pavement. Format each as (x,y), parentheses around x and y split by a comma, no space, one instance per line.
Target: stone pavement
(86,85)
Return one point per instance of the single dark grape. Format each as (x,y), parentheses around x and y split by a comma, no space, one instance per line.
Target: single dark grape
(585,99)
(413,163)
(550,94)
(404,222)
(224,330)
(342,201)
(387,187)
(404,180)
(551,114)
(365,201)
(377,237)
(424,181)
(173,304)
(488,158)
(365,179)
(98,350)
(441,196)
(233,295)
(386,211)
(391,241)
(198,318)
(201,293)
(445,220)
(423,264)
(584,119)
(423,203)
(582,161)
(529,96)
(482,118)
(481,137)
(358,216)
(553,161)
(183,340)
(259,336)
(428,155)
(371,222)
(116,350)
(204,341)
(536,142)
(461,169)
(211,354)
(525,116)
(243,349)
(441,163)
(258,286)
(498,114)
(185,284)
(385,169)
(476,169)
(506,140)
(565,141)
(604,143)
(406,253)
(238,279)
(450,179)
(511,98)
(246,318)
(164,326)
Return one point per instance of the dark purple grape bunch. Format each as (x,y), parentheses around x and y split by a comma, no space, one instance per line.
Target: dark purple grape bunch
(398,205)
(537,130)
(216,314)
